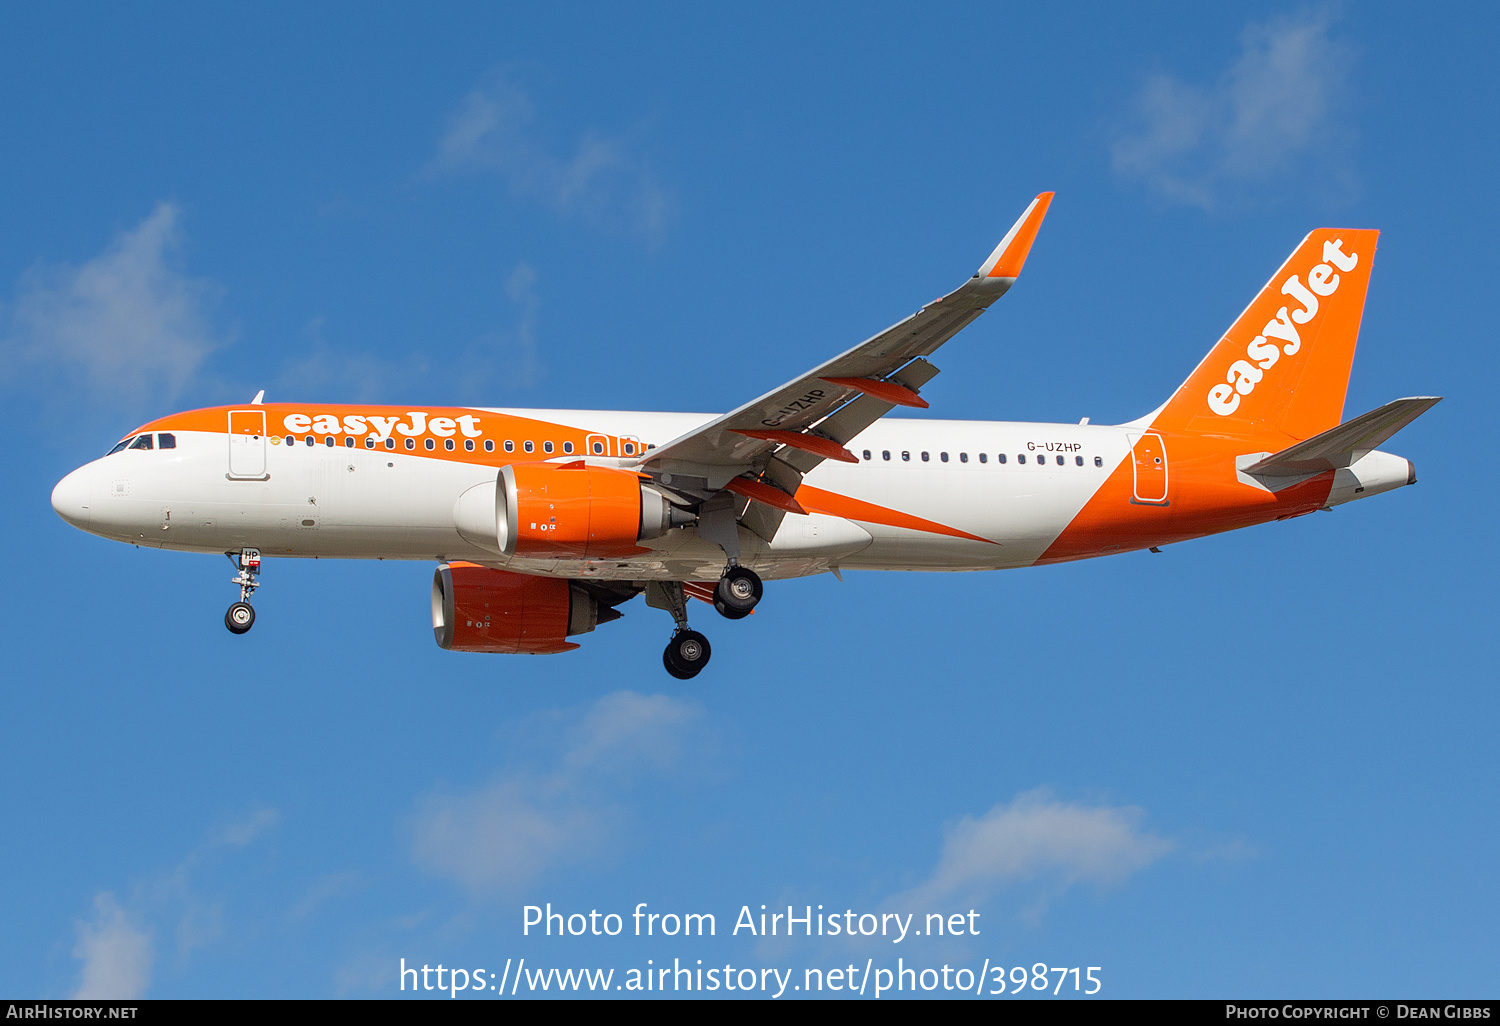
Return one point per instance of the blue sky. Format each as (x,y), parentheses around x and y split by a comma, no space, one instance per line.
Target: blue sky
(1258,765)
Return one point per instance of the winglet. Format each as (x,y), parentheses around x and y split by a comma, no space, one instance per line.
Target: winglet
(1010,256)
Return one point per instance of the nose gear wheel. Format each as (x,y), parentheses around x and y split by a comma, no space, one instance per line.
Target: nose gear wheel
(240,617)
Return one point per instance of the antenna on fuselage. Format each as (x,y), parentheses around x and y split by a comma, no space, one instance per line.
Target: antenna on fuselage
(258,397)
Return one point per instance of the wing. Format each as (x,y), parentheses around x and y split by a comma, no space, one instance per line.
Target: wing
(761,450)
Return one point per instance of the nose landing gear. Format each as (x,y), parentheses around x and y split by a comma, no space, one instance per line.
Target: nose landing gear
(240,616)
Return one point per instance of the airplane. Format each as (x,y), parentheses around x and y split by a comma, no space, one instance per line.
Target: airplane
(543,522)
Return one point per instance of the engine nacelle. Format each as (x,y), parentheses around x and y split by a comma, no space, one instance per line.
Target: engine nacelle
(480,609)
(575,511)
(565,511)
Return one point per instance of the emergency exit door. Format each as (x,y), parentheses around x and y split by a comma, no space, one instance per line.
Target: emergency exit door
(1150,457)
(247,444)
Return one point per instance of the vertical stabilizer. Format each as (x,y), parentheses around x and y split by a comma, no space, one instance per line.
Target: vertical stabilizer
(1281,371)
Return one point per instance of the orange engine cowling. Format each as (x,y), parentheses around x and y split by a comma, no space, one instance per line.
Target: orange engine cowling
(480,609)
(575,511)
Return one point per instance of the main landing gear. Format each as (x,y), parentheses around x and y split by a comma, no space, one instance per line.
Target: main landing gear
(687,654)
(737,592)
(240,617)
(688,651)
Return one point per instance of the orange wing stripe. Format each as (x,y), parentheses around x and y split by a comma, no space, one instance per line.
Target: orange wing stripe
(833,504)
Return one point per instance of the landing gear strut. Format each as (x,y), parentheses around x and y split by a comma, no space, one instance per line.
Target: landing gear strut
(737,592)
(739,589)
(240,616)
(688,651)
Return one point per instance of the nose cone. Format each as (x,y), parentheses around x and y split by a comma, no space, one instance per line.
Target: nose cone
(71,498)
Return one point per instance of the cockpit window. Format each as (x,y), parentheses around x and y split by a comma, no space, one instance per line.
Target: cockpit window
(166,441)
(143,442)
(118,447)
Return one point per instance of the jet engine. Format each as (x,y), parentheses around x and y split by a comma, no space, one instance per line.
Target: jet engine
(565,511)
(480,609)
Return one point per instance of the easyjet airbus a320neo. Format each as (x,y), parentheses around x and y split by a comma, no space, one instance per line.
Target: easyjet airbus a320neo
(544,521)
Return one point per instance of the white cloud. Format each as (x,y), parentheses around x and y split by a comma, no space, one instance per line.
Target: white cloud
(1038,839)
(116,956)
(602,181)
(520,825)
(1271,116)
(128,325)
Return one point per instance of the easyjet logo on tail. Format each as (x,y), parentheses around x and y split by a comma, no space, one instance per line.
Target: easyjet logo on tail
(1262,353)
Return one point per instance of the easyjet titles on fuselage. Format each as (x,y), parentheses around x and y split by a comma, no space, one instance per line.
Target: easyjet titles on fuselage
(361,424)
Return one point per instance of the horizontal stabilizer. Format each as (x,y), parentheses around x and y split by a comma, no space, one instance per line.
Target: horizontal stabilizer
(1346,444)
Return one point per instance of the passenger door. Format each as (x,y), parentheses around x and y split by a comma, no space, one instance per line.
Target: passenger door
(247,445)
(1150,457)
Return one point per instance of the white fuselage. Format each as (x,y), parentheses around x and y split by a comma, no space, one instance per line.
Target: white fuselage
(955,504)
(331,501)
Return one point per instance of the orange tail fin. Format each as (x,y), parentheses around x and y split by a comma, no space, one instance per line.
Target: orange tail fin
(1281,371)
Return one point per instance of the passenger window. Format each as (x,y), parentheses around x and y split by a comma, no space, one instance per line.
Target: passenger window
(925,458)
(166,441)
(448,444)
(629,448)
(567,448)
(1098,461)
(1000,457)
(598,448)
(905,456)
(509,446)
(390,443)
(468,445)
(430,444)
(118,447)
(529,446)
(330,441)
(984,457)
(547,447)
(489,445)
(943,456)
(1021,458)
(369,441)
(963,457)
(310,440)
(290,440)
(349,442)
(867,454)
(1078,460)
(1060,461)
(143,442)
(885,454)
(411,443)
